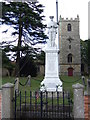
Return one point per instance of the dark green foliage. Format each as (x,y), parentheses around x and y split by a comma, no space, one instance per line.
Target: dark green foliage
(41,58)
(84,51)
(6,63)
(28,66)
(89,56)
(15,48)
(26,19)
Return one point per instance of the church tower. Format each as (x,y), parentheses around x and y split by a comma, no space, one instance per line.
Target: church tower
(69,43)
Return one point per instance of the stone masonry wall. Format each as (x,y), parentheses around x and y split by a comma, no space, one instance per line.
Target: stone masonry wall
(76,69)
(64,44)
(87,107)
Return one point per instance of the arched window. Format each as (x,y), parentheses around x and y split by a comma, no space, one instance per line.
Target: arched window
(69,27)
(69,58)
(69,46)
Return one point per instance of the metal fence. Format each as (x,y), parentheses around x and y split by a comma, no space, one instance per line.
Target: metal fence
(43,105)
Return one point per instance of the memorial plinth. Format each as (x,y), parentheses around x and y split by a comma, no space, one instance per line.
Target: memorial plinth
(51,80)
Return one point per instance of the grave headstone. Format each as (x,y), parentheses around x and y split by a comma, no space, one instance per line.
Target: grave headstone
(29,80)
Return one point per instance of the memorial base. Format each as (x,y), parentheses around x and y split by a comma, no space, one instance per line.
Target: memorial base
(51,85)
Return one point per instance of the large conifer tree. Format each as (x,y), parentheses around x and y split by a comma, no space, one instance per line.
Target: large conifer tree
(26,19)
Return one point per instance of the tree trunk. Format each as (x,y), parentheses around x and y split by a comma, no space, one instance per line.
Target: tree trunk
(18,51)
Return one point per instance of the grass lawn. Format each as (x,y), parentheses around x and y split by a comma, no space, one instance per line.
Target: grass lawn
(35,82)
(68,81)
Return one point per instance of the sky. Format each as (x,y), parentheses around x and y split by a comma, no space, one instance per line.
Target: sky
(69,9)
(89,20)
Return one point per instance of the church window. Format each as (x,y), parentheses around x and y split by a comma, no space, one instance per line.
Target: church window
(69,27)
(69,58)
(69,46)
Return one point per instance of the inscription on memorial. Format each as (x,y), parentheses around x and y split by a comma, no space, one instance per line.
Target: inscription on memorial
(51,61)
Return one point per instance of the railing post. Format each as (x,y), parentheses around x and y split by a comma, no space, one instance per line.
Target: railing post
(63,105)
(52,104)
(15,104)
(47,103)
(69,103)
(57,104)
(30,100)
(7,101)
(41,104)
(0,104)
(36,96)
(25,100)
(16,88)
(78,108)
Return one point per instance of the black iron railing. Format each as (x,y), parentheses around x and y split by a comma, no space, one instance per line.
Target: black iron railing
(43,105)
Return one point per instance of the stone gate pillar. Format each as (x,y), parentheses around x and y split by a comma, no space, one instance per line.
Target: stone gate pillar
(7,103)
(78,108)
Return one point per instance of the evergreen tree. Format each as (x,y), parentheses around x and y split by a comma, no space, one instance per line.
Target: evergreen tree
(6,63)
(84,51)
(29,66)
(26,19)
(40,58)
(89,56)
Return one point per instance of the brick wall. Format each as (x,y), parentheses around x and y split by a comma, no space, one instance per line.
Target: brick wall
(87,107)
(0,104)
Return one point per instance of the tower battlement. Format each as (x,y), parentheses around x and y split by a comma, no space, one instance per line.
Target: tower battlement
(69,19)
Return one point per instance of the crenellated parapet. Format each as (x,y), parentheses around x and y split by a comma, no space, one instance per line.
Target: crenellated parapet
(61,19)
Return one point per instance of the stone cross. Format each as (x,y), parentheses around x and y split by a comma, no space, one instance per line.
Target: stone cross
(52,31)
(69,39)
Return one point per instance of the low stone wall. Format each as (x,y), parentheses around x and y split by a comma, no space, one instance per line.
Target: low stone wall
(87,101)
(87,107)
